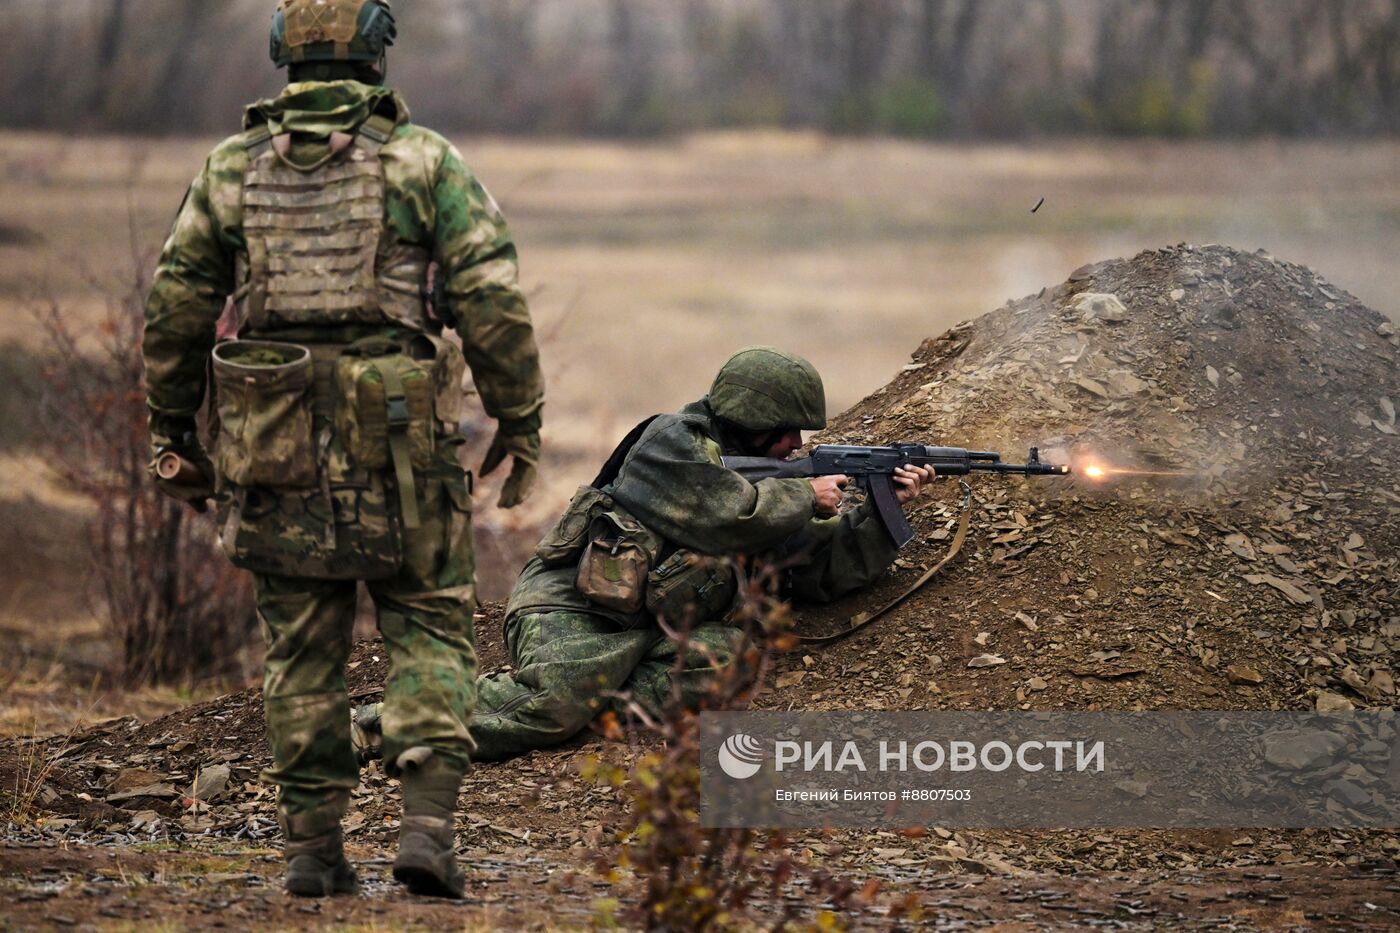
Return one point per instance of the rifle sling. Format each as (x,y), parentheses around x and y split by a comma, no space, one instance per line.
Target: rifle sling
(859,622)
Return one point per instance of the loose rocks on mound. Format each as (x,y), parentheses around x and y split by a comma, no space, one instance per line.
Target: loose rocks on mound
(1263,576)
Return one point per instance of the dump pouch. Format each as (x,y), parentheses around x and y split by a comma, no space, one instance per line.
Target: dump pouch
(617,556)
(688,588)
(449,368)
(563,543)
(264,414)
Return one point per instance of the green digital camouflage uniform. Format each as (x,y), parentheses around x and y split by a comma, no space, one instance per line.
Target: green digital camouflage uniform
(432,203)
(568,650)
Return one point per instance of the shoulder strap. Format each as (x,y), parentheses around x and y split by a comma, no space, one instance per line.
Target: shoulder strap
(613,466)
(375,132)
(258,143)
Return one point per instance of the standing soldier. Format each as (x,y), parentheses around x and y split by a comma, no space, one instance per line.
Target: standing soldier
(347,238)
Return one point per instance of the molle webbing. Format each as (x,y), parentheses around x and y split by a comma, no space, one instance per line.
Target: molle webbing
(314,231)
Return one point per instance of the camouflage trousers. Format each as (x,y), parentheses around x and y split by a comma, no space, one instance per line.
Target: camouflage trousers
(425,616)
(566,661)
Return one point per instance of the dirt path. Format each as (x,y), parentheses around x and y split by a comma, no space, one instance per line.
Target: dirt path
(47,886)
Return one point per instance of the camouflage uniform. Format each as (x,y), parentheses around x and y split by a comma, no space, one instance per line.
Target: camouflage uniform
(431,204)
(568,650)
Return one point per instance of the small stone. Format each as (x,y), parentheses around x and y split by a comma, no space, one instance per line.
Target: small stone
(210,782)
(1244,674)
(1300,749)
(146,819)
(1036,683)
(1328,702)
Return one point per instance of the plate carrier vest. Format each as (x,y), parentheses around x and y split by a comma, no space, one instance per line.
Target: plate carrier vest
(316,247)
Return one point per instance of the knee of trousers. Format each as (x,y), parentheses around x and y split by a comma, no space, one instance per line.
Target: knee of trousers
(544,714)
(310,739)
(442,615)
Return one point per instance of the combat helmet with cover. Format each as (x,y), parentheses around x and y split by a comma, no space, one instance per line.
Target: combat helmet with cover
(764,389)
(331,31)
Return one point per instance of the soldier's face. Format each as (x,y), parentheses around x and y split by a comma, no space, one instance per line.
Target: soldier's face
(784,444)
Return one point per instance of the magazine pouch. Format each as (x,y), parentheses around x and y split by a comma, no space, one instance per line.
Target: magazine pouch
(689,588)
(618,553)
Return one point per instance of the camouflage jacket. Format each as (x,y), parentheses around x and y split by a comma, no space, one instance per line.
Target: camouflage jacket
(672,482)
(432,201)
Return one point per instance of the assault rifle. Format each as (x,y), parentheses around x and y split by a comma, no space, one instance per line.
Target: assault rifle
(872,469)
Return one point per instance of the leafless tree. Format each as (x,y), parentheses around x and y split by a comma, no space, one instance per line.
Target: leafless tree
(645,66)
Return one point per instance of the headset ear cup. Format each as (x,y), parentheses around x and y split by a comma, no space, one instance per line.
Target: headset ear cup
(278,38)
(377,27)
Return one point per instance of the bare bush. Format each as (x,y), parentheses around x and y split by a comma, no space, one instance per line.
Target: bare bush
(176,607)
(713,879)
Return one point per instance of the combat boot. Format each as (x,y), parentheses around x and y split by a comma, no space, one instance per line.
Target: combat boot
(367,731)
(427,859)
(317,867)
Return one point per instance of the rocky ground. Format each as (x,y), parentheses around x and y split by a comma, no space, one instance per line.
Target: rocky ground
(1261,574)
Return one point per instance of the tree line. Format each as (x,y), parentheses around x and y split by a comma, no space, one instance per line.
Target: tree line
(921,68)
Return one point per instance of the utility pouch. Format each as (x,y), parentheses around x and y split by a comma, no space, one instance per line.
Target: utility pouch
(563,543)
(349,533)
(384,414)
(288,512)
(616,559)
(264,413)
(687,588)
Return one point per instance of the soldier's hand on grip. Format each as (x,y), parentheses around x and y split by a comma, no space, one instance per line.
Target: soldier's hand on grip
(912,481)
(524,451)
(829,490)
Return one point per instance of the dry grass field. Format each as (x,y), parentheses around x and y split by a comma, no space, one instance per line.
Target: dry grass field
(649,263)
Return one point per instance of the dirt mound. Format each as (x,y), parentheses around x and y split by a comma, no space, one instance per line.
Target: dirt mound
(1263,576)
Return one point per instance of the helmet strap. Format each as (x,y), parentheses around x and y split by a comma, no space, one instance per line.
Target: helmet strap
(363,72)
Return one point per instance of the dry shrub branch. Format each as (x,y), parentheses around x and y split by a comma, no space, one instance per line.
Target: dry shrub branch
(177,609)
(34,762)
(695,878)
